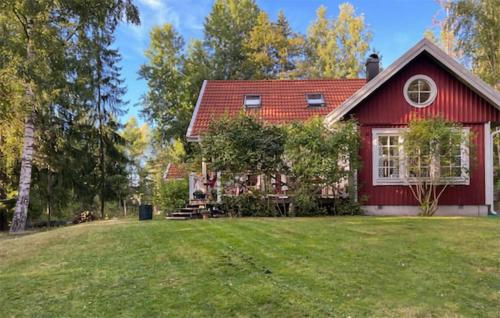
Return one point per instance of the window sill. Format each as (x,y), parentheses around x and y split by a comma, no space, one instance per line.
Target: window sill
(379,182)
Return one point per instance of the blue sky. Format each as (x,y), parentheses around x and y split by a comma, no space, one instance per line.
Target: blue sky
(396,26)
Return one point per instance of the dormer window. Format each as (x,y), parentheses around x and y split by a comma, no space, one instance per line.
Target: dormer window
(252,101)
(315,100)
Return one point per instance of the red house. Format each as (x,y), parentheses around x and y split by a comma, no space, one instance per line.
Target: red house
(425,81)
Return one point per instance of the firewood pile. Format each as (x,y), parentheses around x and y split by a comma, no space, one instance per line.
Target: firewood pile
(85,216)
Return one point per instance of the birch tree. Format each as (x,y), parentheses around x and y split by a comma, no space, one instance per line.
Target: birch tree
(433,151)
(42,37)
(336,48)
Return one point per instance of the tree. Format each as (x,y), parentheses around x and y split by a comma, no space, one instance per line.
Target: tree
(226,28)
(260,44)
(161,157)
(321,47)
(137,141)
(289,48)
(431,149)
(173,194)
(322,157)
(196,68)
(167,104)
(336,48)
(353,39)
(244,145)
(41,38)
(475,25)
(446,38)
(273,47)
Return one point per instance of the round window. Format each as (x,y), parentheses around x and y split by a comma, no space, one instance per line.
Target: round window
(420,91)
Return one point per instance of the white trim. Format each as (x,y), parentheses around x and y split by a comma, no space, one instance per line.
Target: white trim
(165,174)
(189,135)
(476,84)
(488,165)
(433,92)
(376,132)
(249,103)
(378,181)
(414,210)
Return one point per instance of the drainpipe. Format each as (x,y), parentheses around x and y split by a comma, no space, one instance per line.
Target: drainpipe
(492,143)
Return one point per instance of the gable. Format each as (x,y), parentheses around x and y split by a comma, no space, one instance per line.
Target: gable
(455,101)
(281,101)
(423,47)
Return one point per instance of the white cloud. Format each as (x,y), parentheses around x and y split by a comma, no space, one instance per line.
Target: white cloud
(153,4)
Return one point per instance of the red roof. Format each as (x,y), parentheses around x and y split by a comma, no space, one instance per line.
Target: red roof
(174,172)
(282,101)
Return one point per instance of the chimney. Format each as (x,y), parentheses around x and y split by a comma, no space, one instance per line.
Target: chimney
(372,66)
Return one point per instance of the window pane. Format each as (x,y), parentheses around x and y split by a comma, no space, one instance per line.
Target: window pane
(252,100)
(382,140)
(424,97)
(413,96)
(424,86)
(413,87)
(315,99)
(388,157)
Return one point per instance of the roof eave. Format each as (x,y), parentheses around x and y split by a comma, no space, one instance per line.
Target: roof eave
(189,133)
(475,83)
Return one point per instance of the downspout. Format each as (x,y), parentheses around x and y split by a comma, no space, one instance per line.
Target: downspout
(492,143)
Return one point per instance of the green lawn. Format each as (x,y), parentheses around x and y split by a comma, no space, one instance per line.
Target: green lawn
(293,267)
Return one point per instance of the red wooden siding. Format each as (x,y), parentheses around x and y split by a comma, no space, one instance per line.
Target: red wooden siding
(472,194)
(387,107)
(454,100)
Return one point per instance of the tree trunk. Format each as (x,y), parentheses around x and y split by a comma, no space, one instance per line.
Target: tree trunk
(23,199)
(49,197)
(101,131)
(125,207)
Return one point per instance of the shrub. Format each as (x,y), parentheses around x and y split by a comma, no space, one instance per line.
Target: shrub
(249,204)
(348,207)
(173,194)
(305,202)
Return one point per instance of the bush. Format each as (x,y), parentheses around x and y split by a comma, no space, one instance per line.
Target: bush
(249,204)
(348,207)
(306,203)
(173,194)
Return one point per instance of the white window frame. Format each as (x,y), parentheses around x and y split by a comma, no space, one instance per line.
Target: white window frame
(433,91)
(315,102)
(376,180)
(252,103)
(378,132)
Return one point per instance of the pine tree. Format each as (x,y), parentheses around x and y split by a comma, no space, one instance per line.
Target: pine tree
(42,37)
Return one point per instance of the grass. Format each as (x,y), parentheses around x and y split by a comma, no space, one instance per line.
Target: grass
(296,267)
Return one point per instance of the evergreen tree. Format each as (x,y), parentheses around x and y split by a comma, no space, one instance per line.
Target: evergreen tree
(289,48)
(41,38)
(273,47)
